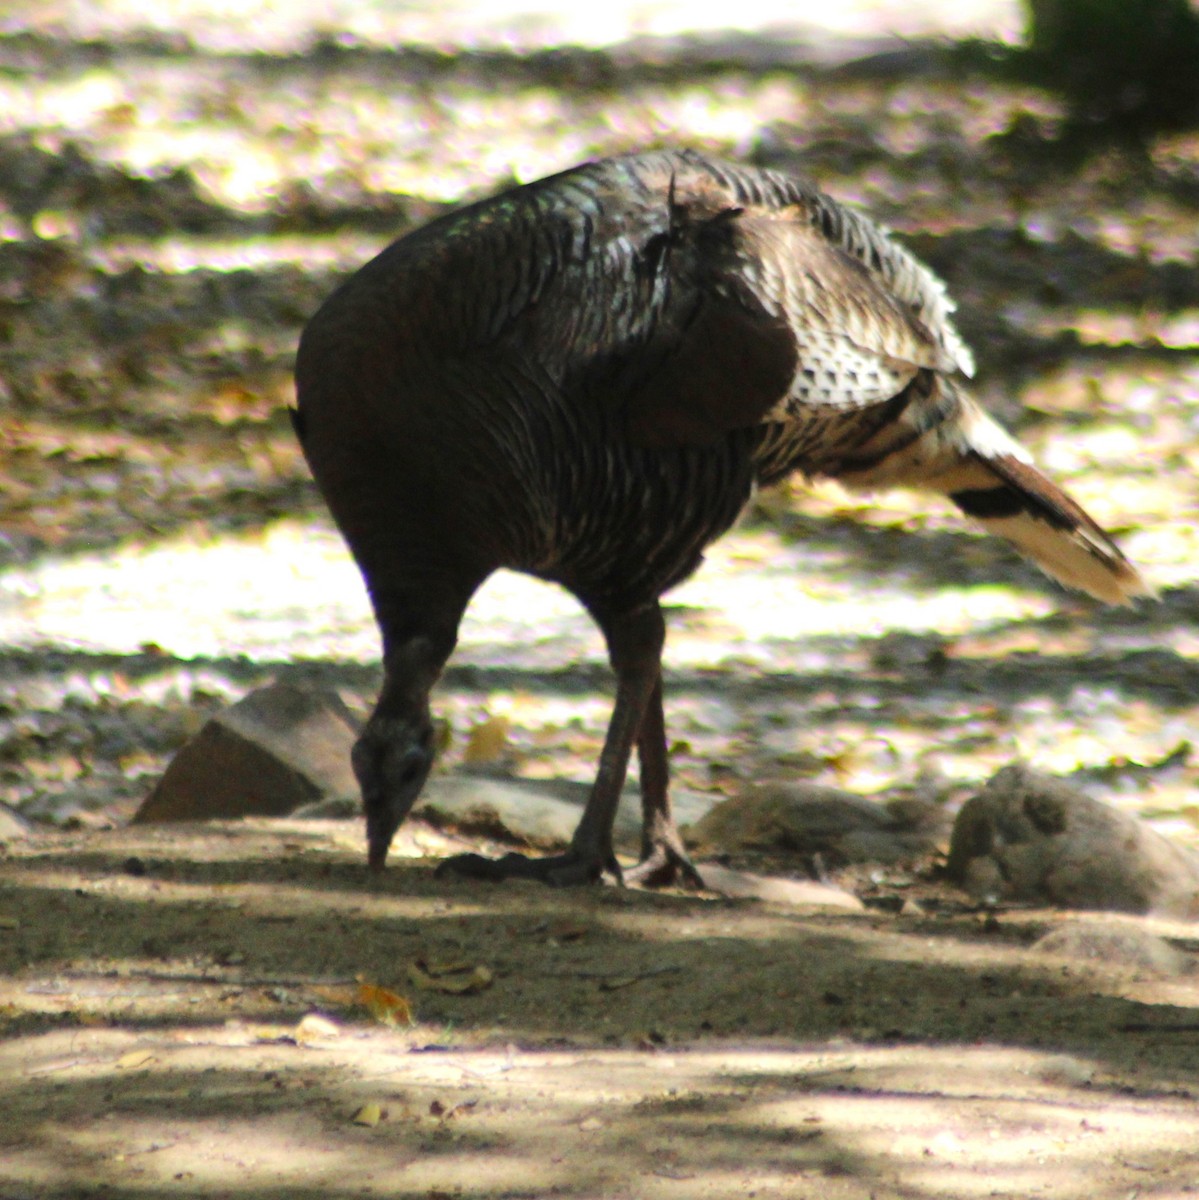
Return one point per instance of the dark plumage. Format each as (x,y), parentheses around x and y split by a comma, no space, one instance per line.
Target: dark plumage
(585,379)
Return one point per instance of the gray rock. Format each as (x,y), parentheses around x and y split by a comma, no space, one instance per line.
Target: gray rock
(542,813)
(807,819)
(1112,945)
(279,748)
(1031,837)
(799,893)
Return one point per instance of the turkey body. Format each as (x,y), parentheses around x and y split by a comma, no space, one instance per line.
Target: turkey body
(585,379)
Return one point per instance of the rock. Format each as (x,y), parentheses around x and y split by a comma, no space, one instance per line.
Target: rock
(1030,837)
(279,748)
(540,813)
(799,893)
(1118,946)
(807,819)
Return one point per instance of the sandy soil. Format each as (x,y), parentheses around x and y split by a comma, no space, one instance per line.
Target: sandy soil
(205,1011)
(184,1014)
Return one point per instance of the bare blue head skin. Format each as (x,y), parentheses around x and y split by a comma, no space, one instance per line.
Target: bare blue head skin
(395,751)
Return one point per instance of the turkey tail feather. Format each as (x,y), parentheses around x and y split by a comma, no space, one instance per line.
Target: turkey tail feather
(1025,508)
(939,438)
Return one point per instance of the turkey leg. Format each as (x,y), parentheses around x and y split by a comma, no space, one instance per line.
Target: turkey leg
(635,649)
(663,857)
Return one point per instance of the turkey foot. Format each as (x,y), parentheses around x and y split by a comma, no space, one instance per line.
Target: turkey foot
(571,869)
(666,865)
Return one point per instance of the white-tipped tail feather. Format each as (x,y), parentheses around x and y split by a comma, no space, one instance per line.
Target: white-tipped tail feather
(943,441)
(1051,528)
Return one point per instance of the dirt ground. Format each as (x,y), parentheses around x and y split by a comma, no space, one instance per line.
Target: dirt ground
(239,1010)
(212,1011)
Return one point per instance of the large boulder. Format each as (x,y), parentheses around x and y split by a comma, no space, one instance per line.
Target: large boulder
(1030,837)
(279,748)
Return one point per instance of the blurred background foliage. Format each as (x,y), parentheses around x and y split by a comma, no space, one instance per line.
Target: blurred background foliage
(1132,65)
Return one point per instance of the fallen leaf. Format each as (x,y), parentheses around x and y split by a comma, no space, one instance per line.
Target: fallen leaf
(271,1033)
(616,982)
(487,741)
(313,1028)
(448,1113)
(437,967)
(369,1115)
(134,1059)
(462,982)
(386,1007)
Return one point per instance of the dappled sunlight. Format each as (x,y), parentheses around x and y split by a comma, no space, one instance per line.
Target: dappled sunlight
(228,25)
(272,1119)
(186,1010)
(779,645)
(291,591)
(189,1018)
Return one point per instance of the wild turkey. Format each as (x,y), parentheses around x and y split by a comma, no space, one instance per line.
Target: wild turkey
(585,379)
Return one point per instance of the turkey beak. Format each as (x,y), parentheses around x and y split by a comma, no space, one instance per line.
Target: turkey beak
(387,803)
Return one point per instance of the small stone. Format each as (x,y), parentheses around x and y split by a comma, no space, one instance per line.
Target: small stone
(796,892)
(13,826)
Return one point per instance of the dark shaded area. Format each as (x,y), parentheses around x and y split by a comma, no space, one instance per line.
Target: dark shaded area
(1127,66)
(784,981)
(330,941)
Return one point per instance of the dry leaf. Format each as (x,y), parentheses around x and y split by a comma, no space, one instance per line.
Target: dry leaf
(437,967)
(386,1007)
(369,1115)
(271,1033)
(448,1113)
(313,1027)
(487,741)
(134,1059)
(463,980)
(617,982)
